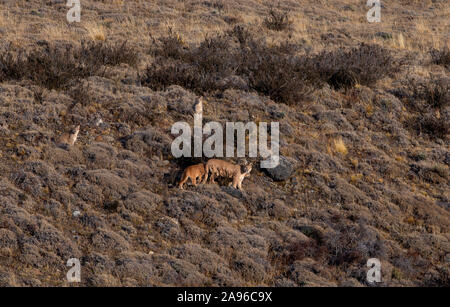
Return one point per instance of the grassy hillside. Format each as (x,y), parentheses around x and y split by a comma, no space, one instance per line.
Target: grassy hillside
(364,136)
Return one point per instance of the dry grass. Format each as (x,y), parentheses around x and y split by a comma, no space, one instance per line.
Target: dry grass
(95,31)
(340,147)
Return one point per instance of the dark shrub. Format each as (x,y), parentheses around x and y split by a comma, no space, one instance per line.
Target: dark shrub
(199,69)
(365,63)
(108,53)
(170,46)
(435,92)
(277,20)
(11,66)
(38,94)
(54,67)
(274,71)
(441,57)
(80,93)
(163,73)
(241,34)
(308,249)
(215,55)
(282,76)
(352,243)
(432,125)
(343,79)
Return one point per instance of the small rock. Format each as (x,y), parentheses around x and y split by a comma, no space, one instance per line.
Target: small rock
(76,213)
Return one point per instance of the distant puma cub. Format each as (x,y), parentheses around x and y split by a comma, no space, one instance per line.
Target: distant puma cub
(69,138)
(193,172)
(226,169)
(198,106)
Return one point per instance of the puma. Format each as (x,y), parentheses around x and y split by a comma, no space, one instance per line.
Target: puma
(193,172)
(69,138)
(226,169)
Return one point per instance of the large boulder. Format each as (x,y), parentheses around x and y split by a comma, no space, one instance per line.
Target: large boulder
(282,172)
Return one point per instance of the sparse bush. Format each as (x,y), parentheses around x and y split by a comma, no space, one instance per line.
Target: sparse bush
(80,93)
(241,34)
(216,55)
(308,249)
(11,66)
(198,69)
(435,92)
(432,125)
(274,71)
(105,53)
(364,64)
(38,94)
(277,20)
(343,79)
(170,46)
(54,66)
(441,57)
(163,73)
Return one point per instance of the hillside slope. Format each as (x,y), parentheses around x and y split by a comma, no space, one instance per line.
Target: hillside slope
(364,118)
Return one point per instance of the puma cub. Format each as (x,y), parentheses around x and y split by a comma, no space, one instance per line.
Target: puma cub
(198,106)
(193,172)
(69,138)
(226,169)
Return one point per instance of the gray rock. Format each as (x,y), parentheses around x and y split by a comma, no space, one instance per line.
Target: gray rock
(282,172)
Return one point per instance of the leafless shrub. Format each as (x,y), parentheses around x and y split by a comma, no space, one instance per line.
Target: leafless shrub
(343,79)
(215,54)
(432,125)
(55,66)
(170,46)
(441,57)
(105,53)
(274,71)
(241,34)
(80,93)
(277,20)
(366,63)
(162,73)
(309,249)
(38,94)
(11,65)
(434,92)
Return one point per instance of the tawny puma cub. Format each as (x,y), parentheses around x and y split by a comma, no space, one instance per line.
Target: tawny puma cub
(226,169)
(69,138)
(193,172)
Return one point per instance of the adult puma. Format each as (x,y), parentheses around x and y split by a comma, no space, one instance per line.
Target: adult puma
(193,172)
(226,169)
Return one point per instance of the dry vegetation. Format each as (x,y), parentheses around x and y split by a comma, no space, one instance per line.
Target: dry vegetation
(364,118)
